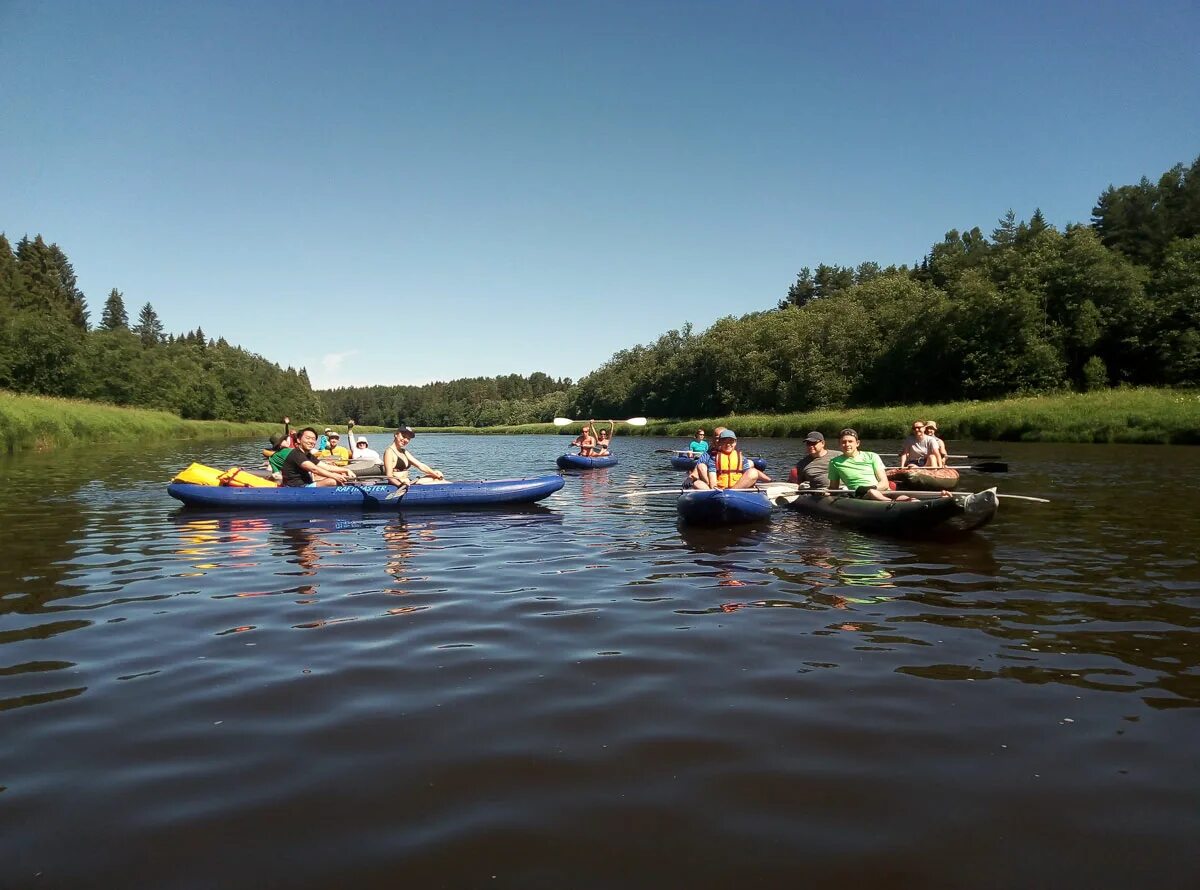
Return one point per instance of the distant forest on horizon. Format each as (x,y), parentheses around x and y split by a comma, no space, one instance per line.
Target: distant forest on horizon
(1024,309)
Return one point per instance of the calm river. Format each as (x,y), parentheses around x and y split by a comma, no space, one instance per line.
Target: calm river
(580,694)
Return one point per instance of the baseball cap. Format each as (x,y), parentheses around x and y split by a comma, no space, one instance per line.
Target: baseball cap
(328,430)
(848,432)
(407,430)
(814,436)
(727,434)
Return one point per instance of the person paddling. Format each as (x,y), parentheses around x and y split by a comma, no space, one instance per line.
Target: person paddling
(728,468)
(586,440)
(397,460)
(699,445)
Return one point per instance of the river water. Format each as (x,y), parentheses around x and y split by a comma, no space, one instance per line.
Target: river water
(581,694)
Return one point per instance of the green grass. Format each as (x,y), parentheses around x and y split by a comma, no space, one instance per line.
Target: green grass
(39,423)
(1150,416)
(1137,415)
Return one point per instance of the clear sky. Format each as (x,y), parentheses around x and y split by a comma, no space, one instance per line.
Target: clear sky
(402,192)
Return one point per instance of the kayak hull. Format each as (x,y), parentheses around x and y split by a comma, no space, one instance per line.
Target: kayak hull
(369,496)
(923,479)
(722,506)
(579,462)
(928,515)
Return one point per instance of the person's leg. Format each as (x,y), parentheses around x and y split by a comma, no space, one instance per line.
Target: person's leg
(752,477)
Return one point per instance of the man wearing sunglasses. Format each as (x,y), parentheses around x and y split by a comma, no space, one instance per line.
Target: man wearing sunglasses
(812,470)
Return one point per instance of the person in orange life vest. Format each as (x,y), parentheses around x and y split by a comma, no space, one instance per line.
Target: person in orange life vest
(728,468)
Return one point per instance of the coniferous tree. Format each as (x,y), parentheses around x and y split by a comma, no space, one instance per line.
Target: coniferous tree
(149,328)
(115,315)
(11,283)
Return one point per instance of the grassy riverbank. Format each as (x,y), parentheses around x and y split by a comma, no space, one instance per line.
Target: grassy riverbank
(1142,415)
(35,423)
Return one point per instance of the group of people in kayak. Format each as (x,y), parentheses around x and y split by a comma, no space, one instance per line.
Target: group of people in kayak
(593,443)
(302,458)
(923,448)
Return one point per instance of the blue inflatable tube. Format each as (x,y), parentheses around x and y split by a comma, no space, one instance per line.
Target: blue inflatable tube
(579,462)
(722,506)
(369,495)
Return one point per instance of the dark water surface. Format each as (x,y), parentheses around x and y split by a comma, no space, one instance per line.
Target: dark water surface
(580,694)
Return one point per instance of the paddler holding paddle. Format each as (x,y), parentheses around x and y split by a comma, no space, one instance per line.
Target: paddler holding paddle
(397,460)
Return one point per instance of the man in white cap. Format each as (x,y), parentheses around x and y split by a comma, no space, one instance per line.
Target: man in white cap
(364,451)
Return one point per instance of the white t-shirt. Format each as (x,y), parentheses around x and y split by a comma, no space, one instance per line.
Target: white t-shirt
(367,454)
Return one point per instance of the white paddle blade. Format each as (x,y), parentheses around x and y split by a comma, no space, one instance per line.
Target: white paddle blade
(562,421)
(636,421)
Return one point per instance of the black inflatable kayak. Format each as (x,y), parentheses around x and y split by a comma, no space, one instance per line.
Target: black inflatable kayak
(929,512)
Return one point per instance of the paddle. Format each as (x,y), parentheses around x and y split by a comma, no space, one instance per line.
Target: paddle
(632,421)
(973,456)
(397,494)
(671,451)
(985,467)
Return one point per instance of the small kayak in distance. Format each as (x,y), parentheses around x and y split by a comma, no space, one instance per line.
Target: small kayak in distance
(579,462)
(928,513)
(717,506)
(923,479)
(369,495)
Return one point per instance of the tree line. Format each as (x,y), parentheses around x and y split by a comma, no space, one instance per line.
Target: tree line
(1026,309)
(1029,309)
(475,402)
(48,347)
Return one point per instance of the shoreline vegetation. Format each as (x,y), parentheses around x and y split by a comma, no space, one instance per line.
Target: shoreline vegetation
(1121,415)
(1139,415)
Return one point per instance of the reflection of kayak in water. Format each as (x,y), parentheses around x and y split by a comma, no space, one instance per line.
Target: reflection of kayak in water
(722,506)
(369,495)
(579,462)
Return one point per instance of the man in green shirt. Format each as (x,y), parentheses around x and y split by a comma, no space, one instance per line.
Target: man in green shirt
(861,471)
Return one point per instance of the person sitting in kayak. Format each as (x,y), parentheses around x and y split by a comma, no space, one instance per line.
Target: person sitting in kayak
(861,471)
(728,468)
(699,445)
(694,472)
(937,448)
(586,440)
(397,460)
(915,449)
(336,450)
(603,440)
(812,470)
(364,451)
(301,468)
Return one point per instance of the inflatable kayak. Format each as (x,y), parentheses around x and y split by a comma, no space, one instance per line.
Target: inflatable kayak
(579,462)
(722,506)
(369,495)
(923,479)
(928,513)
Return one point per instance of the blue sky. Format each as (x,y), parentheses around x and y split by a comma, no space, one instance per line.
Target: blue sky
(398,193)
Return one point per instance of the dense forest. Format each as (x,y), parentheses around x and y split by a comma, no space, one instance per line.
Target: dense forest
(1029,309)
(1026,309)
(48,347)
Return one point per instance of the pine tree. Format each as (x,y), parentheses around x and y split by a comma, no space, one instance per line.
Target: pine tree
(11,283)
(149,328)
(49,281)
(1005,233)
(114,312)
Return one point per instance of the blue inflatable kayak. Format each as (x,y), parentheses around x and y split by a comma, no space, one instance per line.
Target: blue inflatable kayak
(579,462)
(369,495)
(722,506)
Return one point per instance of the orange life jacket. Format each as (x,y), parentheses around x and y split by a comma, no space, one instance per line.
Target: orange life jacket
(729,468)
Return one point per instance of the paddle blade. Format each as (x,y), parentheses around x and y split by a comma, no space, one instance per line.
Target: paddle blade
(636,421)
(562,421)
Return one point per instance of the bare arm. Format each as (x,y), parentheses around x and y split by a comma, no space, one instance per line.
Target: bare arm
(318,469)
